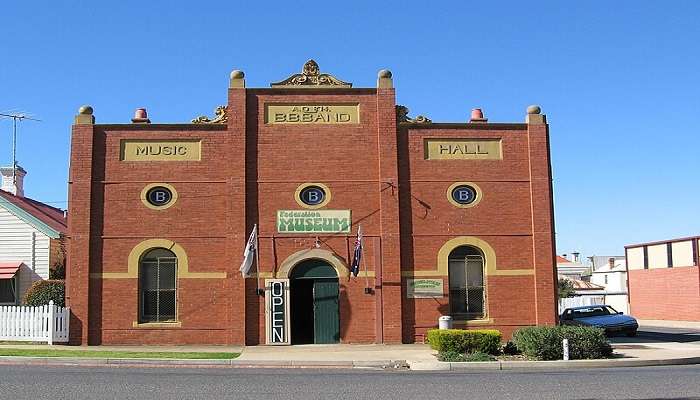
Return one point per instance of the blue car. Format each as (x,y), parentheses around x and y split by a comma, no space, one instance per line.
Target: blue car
(601,316)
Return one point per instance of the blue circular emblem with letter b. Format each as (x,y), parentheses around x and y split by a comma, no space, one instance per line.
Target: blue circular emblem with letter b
(464,194)
(312,195)
(159,196)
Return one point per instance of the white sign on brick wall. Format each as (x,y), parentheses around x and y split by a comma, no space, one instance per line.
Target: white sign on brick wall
(424,288)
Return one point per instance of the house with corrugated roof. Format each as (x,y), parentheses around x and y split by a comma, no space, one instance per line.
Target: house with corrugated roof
(31,238)
(571,267)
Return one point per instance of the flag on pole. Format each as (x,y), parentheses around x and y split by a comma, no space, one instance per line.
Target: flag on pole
(357,256)
(249,252)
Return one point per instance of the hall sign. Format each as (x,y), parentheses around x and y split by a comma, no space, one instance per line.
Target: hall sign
(277,311)
(312,113)
(160,150)
(308,221)
(463,149)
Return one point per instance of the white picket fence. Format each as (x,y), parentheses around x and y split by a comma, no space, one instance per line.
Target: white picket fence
(47,323)
(577,301)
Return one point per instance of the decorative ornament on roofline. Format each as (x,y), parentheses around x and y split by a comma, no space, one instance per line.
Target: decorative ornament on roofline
(311,76)
(220,117)
(402,116)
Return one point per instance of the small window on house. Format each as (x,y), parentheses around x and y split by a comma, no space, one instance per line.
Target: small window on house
(466,281)
(8,291)
(157,286)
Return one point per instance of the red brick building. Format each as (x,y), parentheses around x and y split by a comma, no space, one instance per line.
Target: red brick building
(456,219)
(664,279)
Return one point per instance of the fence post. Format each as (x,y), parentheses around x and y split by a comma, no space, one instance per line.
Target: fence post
(51,322)
(66,323)
(565,344)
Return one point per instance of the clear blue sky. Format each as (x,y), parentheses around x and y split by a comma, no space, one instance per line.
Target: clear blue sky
(618,80)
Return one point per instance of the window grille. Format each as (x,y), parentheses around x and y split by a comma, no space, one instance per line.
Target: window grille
(158,286)
(466,282)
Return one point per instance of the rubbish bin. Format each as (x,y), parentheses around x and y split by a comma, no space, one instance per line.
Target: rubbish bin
(445,322)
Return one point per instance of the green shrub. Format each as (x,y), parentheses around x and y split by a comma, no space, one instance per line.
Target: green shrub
(41,292)
(510,349)
(465,341)
(545,342)
(452,356)
(479,356)
(565,288)
(58,271)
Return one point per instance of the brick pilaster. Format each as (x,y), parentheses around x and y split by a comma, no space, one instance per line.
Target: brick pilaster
(237,227)
(79,231)
(389,215)
(544,251)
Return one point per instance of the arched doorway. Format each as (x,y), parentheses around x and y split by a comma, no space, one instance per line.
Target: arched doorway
(315,315)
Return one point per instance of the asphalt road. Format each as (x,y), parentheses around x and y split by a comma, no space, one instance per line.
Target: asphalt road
(51,382)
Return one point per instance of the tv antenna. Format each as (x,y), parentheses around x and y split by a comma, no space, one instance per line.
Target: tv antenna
(16,117)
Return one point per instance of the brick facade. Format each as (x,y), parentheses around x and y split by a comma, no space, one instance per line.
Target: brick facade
(249,169)
(665,294)
(664,279)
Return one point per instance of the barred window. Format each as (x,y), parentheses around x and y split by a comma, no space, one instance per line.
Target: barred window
(157,286)
(466,279)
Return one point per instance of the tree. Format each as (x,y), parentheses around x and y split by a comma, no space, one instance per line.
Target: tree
(565,288)
(41,292)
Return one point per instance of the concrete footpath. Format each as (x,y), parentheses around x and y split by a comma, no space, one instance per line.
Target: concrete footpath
(657,343)
(413,356)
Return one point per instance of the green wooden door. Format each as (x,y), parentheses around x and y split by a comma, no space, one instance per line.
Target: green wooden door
(326,314)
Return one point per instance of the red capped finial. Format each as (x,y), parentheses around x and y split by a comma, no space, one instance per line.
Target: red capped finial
(140,116)
(477,116)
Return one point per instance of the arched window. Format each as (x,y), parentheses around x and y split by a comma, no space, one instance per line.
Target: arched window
(466,277)
(157,286)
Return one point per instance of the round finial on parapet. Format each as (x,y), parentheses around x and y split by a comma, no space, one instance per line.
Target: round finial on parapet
(384,80)
(237,79)
(237,74)
(84,116)
(534,109)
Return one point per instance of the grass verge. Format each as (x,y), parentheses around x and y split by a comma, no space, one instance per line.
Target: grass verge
(118,354)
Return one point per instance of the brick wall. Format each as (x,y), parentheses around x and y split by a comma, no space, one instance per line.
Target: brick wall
(249,170)
(665,293)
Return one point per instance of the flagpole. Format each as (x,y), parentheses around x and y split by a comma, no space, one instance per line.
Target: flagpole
(257,260)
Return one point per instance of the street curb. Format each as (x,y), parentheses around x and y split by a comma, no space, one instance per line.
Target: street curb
(379,364)
(547,365)
(167,362)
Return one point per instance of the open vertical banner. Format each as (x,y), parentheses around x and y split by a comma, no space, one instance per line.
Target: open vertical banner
(277,327)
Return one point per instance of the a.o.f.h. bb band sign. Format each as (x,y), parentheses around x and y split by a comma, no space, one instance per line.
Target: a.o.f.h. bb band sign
(308,221)
(312,113)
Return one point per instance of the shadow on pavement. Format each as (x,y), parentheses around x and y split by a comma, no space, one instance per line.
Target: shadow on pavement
(682,336)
